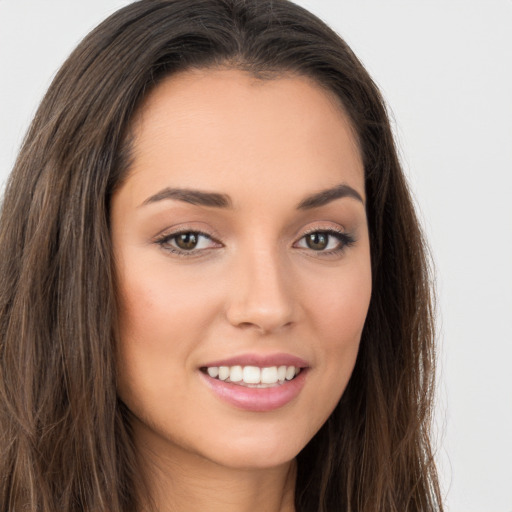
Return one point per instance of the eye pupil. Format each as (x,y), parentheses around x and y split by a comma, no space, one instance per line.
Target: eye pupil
(317,241)
(186,241)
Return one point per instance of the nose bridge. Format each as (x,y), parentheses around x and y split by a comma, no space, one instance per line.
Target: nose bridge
(261,294)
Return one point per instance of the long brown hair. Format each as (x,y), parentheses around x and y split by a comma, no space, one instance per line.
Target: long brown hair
(65,441)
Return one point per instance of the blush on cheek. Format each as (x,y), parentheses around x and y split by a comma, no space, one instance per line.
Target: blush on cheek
(347,310)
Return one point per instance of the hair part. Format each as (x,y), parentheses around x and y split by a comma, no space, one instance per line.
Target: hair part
(65,437)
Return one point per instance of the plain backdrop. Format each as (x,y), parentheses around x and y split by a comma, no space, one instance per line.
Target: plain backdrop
(445,69)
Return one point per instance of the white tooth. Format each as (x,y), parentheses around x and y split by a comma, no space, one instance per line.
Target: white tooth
(290,372)
(223,372)
(281,373)
(213,371)
(251,375)
(269,375)
(235,374)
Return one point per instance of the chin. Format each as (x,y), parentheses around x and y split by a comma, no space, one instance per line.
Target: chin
(256,456)
(262,449)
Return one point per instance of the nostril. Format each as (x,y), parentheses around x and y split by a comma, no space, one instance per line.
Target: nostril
(261,297)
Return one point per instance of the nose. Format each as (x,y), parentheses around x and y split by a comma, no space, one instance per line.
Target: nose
(261,293)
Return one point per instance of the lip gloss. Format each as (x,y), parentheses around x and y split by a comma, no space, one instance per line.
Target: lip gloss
(257,399)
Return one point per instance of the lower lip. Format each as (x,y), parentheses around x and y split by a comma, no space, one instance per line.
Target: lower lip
(257,399)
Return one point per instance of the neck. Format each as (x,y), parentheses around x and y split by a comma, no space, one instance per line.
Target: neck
(181,480)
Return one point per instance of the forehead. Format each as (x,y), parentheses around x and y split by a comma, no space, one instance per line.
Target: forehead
(209,126)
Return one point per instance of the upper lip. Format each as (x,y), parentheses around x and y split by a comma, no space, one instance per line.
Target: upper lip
(260,360)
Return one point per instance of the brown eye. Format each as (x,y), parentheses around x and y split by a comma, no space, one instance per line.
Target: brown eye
(325,242)
(317,241)
(186,241)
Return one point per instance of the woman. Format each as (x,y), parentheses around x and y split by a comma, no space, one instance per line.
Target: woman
(214,288)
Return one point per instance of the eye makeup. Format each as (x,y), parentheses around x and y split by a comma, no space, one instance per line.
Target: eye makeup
(322,242)
(325,241)
(187,242)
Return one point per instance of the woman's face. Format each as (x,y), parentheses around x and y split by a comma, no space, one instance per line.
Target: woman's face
(242,252)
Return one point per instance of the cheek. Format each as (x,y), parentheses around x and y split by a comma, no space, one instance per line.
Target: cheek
(338,310)
(340,302)
(160,304)
(163,317)
(152,321)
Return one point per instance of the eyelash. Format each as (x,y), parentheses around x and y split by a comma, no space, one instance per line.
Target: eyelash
(165,240)
(345,240)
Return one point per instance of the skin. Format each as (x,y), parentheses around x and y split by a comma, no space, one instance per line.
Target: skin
(253,285)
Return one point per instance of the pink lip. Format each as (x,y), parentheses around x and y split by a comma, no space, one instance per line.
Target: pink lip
(257,399)
(262,361)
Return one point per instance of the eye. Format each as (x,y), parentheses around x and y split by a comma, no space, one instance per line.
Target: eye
(319,241)
(327,241)
(187,242)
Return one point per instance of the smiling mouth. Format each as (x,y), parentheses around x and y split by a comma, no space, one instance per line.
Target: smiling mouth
(253,376)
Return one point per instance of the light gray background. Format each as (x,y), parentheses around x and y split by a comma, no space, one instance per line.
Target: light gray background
(445,68)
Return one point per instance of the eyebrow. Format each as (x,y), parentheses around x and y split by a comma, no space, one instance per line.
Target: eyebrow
(196,197)
(328,195)
(216,200)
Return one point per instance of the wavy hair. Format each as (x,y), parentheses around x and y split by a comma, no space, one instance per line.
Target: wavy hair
(65,440)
